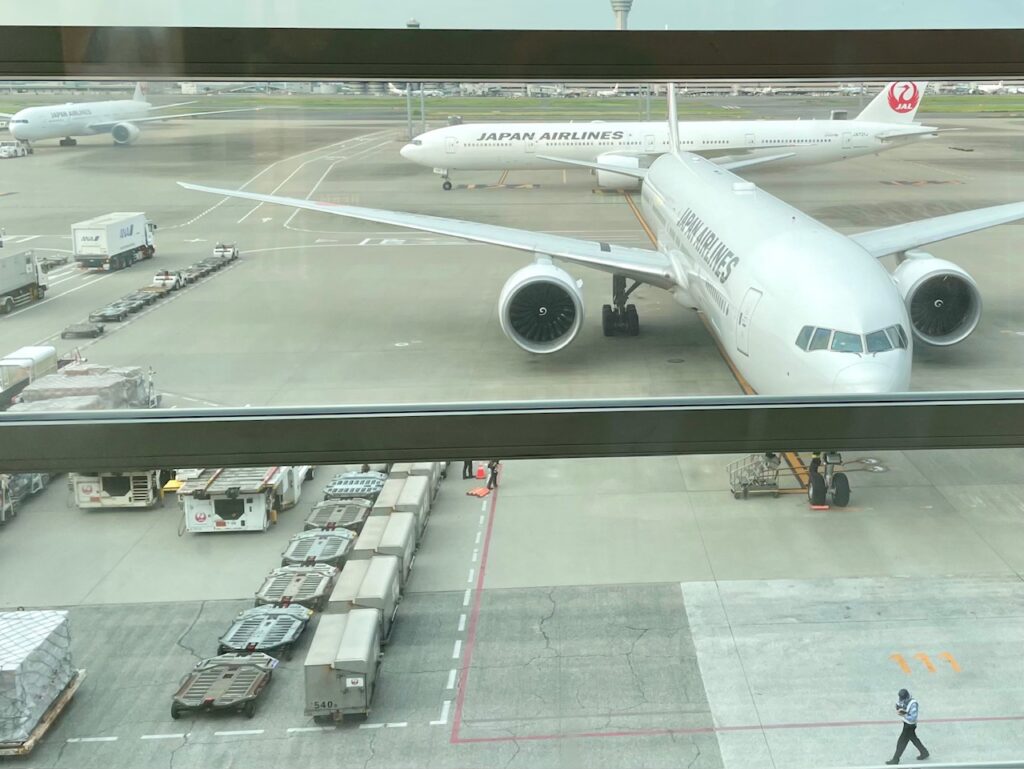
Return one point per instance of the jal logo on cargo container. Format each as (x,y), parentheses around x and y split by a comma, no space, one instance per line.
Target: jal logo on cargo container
(126,232)
(90,238)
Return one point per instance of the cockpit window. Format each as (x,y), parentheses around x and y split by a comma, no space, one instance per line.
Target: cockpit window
(804,337)
(846,342)
(878,341)
(898,337)
(417,142)
(820,339)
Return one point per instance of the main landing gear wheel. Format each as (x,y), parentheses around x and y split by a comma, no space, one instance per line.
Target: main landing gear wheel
(68,142)
(825,482)
(446,185)
(619,317)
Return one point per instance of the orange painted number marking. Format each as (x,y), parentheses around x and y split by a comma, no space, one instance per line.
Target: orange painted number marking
(951,660)
(899,660)
(925,660)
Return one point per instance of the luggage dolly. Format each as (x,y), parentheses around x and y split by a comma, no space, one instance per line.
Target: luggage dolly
(309,586)
(348,514)
(224,682)
(265,629)
(319,546)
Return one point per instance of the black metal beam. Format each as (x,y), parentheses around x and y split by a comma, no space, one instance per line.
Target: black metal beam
(174,438)
(445,54)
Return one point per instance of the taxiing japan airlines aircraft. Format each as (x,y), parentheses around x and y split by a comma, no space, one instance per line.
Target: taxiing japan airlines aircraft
(797,306)
(120,119)
(885,123)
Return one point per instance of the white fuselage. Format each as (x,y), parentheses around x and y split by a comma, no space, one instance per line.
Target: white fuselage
(518,145)
(70,120)
(760,283)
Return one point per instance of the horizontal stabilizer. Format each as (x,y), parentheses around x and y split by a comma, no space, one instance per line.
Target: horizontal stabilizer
(636,173)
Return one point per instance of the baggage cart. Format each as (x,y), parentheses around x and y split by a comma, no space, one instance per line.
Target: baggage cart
(341,666)
(319,546)
(265,629)
(352,485)
(372,584)
(334,514)
(307,586)
(224,682)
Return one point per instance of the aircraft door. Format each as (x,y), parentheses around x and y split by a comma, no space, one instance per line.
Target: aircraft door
(529,146)
(450,144)
(750,141)
(750,300)
(649,145)
(846,140)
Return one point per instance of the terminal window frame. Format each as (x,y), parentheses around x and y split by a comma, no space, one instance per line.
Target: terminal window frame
(423,55)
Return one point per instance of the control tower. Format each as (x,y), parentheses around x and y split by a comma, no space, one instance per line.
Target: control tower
(621,10)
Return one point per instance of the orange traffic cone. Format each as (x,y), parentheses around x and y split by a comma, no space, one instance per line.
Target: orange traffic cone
(480,472)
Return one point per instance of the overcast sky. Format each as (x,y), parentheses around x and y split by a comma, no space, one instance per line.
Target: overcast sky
(524,14)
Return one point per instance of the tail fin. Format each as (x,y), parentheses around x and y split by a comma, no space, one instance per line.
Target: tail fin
(138,95)
(896,103)
(673,120)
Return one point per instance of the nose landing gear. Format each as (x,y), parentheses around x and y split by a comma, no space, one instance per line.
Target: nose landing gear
(619,317)
(825,481)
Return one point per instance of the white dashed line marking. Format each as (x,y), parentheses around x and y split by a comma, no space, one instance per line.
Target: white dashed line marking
(465,598)
(451,678)
(475,554)
(472,573)
(462,622)
(481,520)
(483,508)
(93,739)
(181,736)
(445,706)
(457,651)
(238,732)
(478,535)
(301,729)
(397,724)
(370,726)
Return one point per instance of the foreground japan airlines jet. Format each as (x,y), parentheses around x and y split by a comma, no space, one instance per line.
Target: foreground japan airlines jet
(120,119)
(797,306)
(887,122)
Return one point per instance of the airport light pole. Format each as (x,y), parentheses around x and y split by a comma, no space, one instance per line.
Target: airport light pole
(411,24)
(621,11)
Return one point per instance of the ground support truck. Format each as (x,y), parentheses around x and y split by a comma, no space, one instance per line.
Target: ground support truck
(113,241)
(22,367)
(233,498)
(21,281)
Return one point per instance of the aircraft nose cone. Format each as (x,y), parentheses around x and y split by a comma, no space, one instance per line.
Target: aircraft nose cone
(407,151)
(867,378)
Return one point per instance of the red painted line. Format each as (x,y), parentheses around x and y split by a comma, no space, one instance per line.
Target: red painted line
(474,617)
(717,729)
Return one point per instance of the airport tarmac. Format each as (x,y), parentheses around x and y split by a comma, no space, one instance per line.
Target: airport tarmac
(610,613)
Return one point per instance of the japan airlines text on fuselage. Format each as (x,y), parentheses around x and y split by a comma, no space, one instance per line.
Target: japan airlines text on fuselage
(886,122)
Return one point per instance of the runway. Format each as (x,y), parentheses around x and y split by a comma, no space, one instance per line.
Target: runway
(607,613)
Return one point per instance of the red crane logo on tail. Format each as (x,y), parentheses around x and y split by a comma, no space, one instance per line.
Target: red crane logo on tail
(903,97)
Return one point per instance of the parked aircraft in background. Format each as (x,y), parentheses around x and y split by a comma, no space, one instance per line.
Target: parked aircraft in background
(120,119)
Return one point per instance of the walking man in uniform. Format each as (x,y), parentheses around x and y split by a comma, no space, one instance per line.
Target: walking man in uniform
(467,468)
(492,479)
(906,709)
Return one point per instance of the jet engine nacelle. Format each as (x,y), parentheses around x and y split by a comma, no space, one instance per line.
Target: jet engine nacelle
(541,308)
(612,180)
(942,300)
(124,133)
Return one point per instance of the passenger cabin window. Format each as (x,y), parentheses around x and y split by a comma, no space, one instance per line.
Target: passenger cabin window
(804,337)
(820,339)
(846,342)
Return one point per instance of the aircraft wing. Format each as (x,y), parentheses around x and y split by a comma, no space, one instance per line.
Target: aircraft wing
(107,126)
(5,114)
(636,173)
(644,265)
(903,237)
(895,136)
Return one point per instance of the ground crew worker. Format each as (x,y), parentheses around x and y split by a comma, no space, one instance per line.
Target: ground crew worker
(492,479)
(467,468)
(906,709)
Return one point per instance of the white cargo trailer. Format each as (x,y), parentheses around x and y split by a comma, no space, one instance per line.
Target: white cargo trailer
(399,539)
(372,584)
(22,367)
(388,497)
(21,281)
(341,666)
(93,491)
(113,241)
(416,496)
